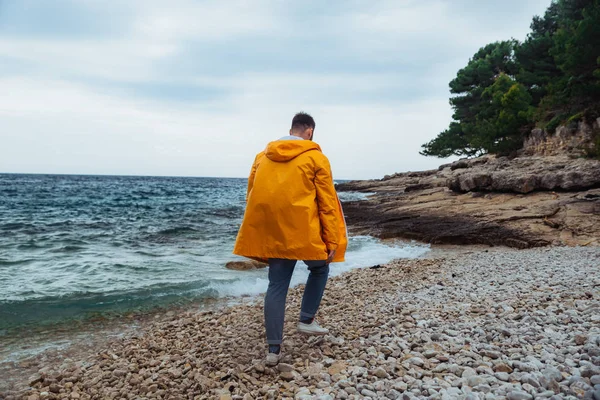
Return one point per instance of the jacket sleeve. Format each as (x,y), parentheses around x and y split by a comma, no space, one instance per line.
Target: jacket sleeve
(252,175)
(327,202)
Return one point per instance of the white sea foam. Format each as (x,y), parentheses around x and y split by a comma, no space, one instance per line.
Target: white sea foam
(363,251)
(353,196)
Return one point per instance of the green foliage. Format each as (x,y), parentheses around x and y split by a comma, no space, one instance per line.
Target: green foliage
(537,66)
(499,125)
(592,112)
(450,142)
(554,123)
(481,72)
(508,86)
(576,46)
(469,86)
(575,118)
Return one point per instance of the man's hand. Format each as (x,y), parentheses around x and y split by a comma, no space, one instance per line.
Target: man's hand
(330,256)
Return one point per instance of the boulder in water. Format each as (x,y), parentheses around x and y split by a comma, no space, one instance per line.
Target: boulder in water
(245,265)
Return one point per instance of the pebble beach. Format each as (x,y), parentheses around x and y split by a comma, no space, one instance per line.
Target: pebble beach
(473,323)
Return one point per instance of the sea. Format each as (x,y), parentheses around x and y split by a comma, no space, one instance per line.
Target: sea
(76,247)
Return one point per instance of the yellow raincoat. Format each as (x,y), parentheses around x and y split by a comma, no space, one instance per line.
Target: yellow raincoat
(292,209)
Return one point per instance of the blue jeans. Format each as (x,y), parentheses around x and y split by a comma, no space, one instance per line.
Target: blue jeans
(280,274)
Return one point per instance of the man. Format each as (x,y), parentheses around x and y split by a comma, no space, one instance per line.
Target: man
(292,213)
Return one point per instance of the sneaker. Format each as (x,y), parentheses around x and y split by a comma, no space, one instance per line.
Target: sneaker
(273,359)
(312,329)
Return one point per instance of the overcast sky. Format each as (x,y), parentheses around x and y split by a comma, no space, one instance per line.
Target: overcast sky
(197,88)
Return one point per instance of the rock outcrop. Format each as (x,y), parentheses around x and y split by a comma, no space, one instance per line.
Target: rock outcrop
(244,265)
(525,175)
(520,202)
(573,139)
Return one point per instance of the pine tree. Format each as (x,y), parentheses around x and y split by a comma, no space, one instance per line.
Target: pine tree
(551,78)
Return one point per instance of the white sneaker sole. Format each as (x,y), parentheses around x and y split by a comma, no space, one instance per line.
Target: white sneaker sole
(312,333)
(275,362)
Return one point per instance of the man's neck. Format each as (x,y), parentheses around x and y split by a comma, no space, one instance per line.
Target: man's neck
(291,137)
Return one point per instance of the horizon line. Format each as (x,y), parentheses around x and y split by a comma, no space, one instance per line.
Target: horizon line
(140,176)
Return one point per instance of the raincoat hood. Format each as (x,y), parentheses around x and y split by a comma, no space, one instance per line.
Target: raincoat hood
(286,150)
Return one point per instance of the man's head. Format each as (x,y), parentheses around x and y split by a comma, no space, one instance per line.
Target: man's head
(303,125)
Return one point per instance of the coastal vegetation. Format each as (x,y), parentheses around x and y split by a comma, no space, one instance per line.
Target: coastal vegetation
(509,87)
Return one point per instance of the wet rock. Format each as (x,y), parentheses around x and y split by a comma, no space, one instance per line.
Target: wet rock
(245,265)
(35,378)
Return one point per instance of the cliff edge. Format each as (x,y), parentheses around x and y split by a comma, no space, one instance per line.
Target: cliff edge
(549,194)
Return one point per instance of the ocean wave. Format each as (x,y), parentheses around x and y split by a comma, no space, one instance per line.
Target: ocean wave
(363,251)
(354,196)
(59,224)
(67,249)
(228,212)
(15,226)
(16,262)
(177,231)
(110,250)
(148,253)
(31,245)
(51,309)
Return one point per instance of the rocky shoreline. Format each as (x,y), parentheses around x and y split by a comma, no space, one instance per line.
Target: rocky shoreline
(473,324)
(521,202)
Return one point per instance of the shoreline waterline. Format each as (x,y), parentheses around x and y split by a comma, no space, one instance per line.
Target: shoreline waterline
(44,313)
(89,332)
(432,313)
(79,247)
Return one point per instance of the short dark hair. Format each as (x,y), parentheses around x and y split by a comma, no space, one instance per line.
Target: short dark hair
(302,121)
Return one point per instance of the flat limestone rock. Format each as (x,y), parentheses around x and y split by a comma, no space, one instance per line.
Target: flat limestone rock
(524,202)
